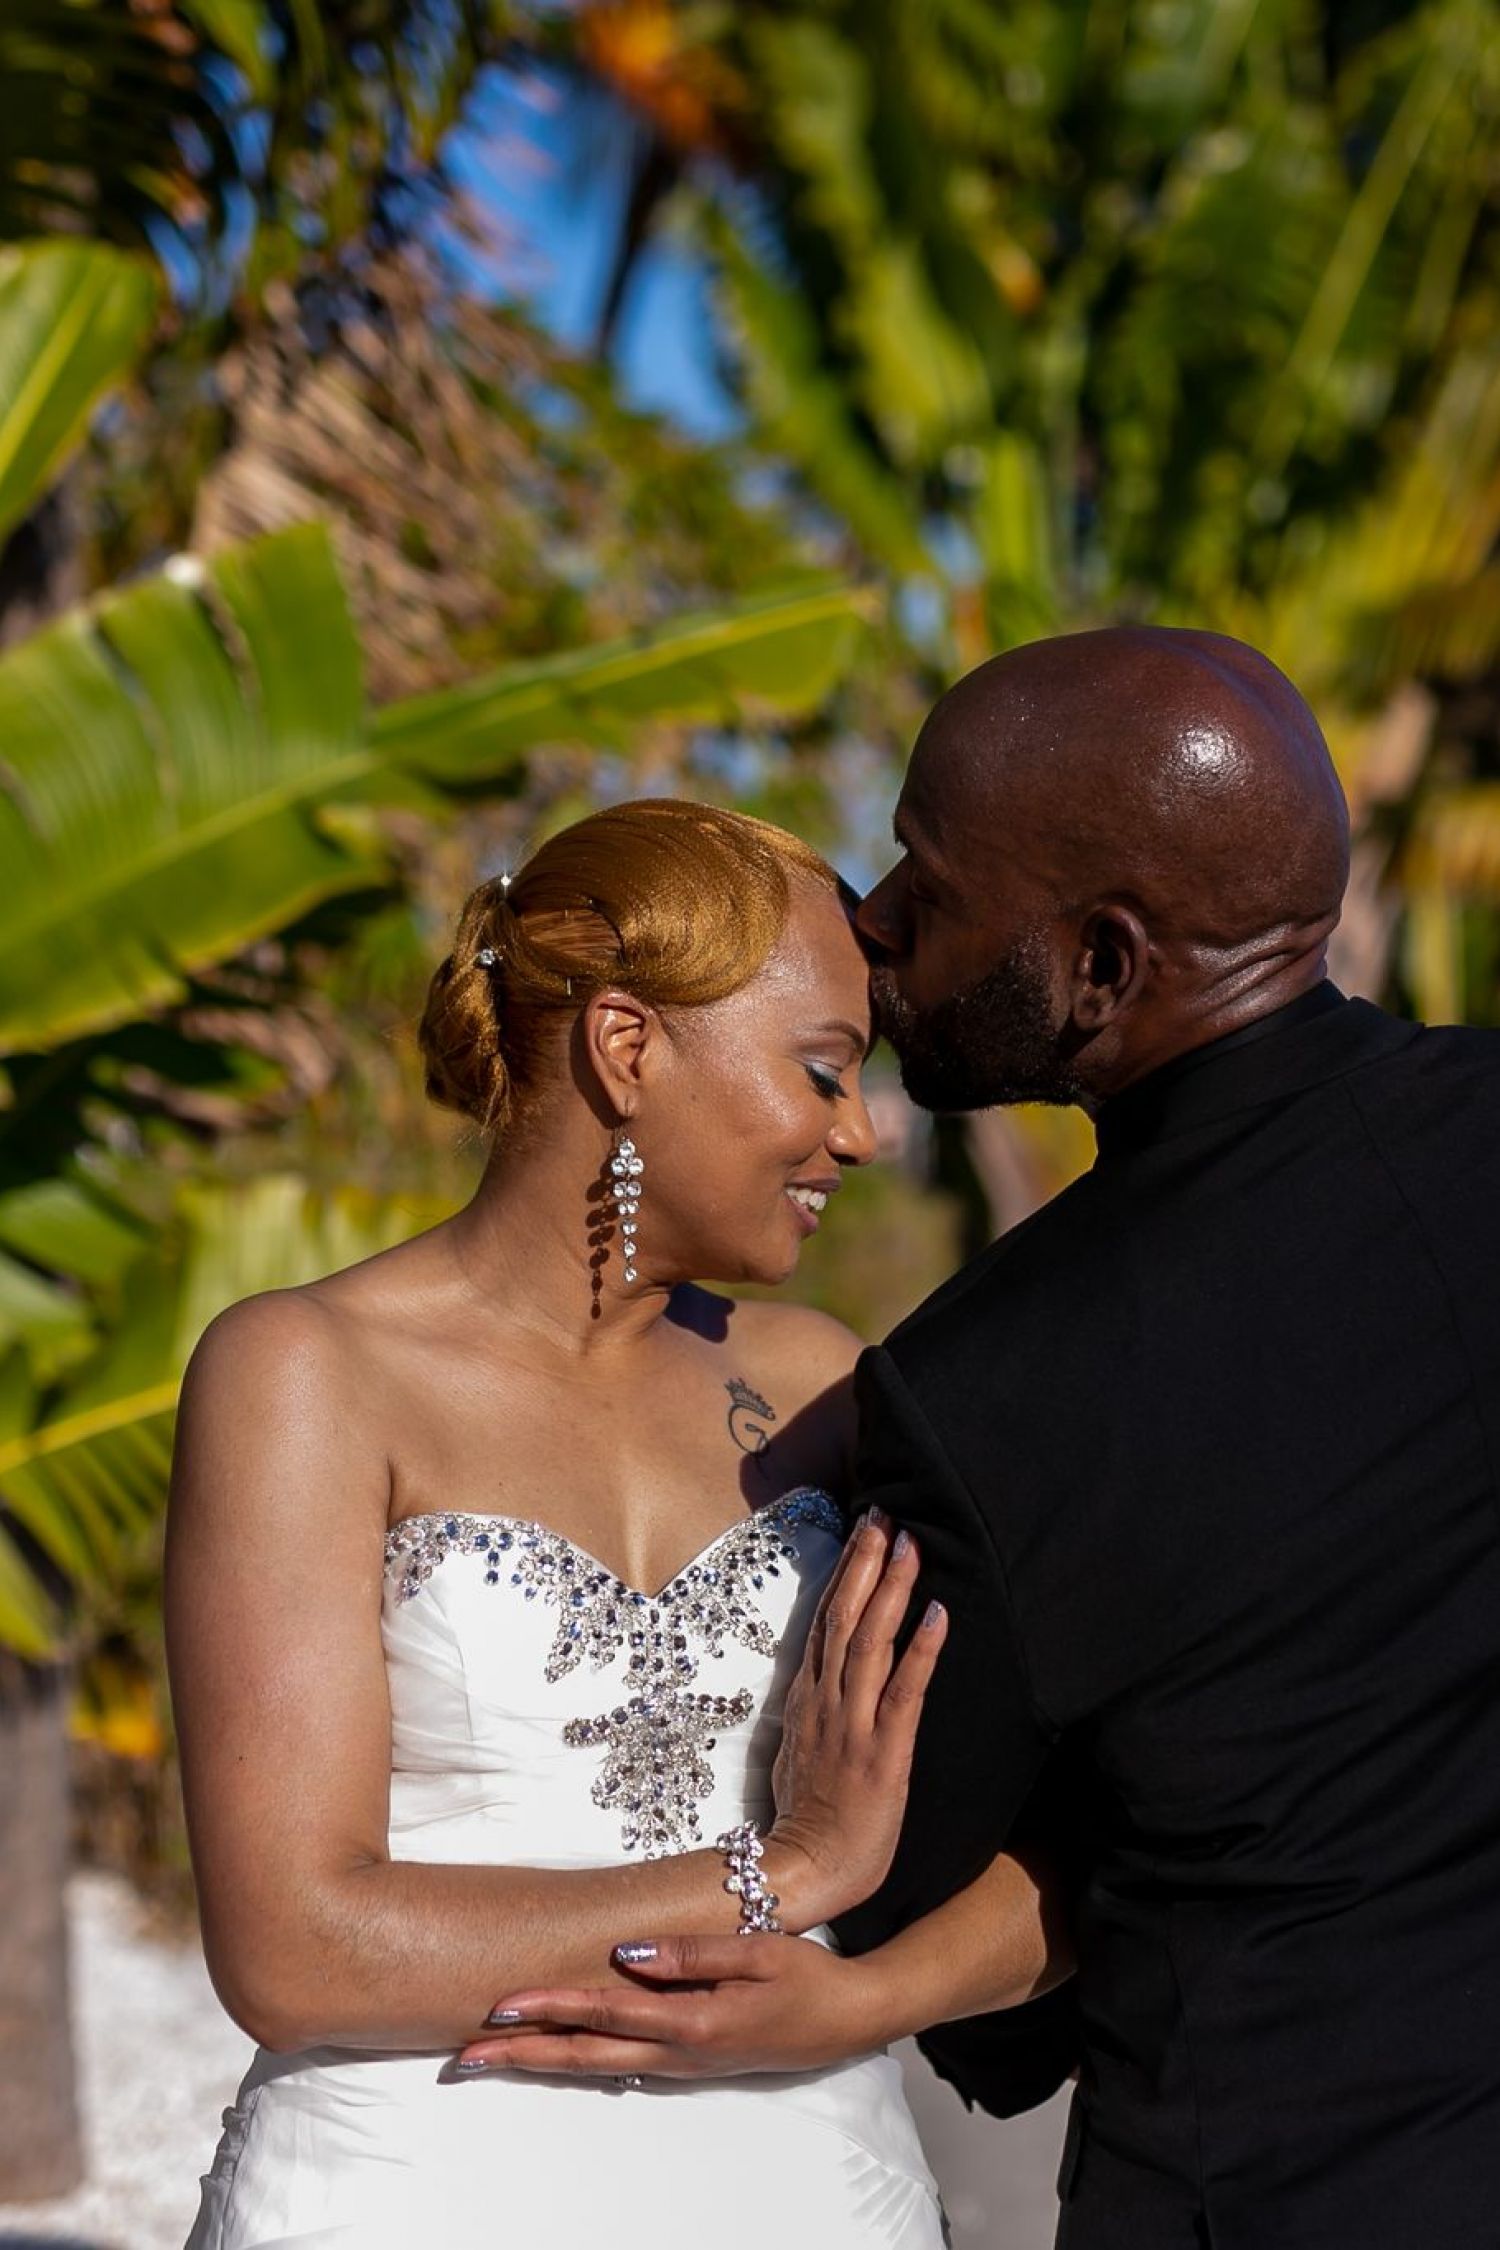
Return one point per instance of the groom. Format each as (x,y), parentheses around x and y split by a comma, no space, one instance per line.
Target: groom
(1205,1461)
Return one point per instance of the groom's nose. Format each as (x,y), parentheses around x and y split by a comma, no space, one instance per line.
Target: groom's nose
(881,919)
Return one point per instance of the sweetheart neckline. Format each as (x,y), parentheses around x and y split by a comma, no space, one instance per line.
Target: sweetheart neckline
(636,1593)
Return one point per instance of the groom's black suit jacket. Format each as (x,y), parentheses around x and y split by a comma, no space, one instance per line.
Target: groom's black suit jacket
(1204,1461)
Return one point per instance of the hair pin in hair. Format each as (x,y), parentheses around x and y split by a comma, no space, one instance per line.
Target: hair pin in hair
(505,883)
(486,957)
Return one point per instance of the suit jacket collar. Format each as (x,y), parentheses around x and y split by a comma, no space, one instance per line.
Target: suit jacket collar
(1316,1037)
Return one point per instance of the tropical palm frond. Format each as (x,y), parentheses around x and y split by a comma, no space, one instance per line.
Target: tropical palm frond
(164,747)
(1454,845)
(1013,534)
(168,126)
(74,317)
(40,1316)
(486,495)
(777,654)
(803,410)
(1206,260)
(64,1251)
(1404,586)
(85,1475)
(113,121)
(189,759)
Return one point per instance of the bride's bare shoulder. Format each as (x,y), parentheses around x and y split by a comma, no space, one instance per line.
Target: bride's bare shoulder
(801,1363)
(276,1400)
(808,1351)
(794,1354)
(319,1334)
(284,1336)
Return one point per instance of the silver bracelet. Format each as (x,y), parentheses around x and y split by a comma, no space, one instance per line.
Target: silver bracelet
(743,1851)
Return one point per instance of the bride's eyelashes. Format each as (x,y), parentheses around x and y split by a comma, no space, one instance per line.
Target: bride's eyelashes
(826,1081)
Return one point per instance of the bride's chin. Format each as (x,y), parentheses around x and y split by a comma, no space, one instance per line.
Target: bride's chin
(765,1270)
(772,1272)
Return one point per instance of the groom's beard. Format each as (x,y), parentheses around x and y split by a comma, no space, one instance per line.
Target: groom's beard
(995,1041)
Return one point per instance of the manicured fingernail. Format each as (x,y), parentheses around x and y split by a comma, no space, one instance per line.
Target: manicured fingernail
(631,1956)
(933,1615)
(902,1546)
(498,2016)
(880,1519)
(468,2068)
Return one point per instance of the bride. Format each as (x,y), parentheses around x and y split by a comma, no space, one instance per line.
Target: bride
(492,1562)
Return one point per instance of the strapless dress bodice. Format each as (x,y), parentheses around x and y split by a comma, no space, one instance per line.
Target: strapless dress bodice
(545,1714)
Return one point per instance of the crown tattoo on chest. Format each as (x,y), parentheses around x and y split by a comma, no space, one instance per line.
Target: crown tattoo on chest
(749,1414)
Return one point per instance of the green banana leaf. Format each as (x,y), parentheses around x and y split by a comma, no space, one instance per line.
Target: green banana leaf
(89,1476)
(166,751)
(65,1249)
(70,1227)
(38,1312)
(781,654)
(181,756)
(74,317)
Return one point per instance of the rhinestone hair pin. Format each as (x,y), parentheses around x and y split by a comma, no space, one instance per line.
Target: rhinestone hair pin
(487,956)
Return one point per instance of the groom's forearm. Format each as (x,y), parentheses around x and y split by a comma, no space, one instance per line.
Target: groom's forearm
(994,1945)
(714,2007)
(706,2007)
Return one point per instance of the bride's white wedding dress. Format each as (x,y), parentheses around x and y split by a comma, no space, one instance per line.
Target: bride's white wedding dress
(546,1715)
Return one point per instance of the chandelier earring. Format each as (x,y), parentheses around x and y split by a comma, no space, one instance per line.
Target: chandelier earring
(626,1167)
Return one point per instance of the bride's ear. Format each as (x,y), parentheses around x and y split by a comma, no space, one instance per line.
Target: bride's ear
(618,1035)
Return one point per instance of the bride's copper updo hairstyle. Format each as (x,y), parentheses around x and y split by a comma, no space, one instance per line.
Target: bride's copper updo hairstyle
(677,903)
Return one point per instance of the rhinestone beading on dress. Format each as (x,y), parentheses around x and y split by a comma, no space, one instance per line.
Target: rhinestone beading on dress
(656,1771)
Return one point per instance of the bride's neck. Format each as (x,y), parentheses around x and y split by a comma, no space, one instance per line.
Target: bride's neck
(525,1247)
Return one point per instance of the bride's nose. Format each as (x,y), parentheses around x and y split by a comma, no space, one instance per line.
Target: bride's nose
(852,1138)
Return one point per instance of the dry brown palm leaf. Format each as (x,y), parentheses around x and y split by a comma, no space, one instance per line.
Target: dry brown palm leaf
(388,430)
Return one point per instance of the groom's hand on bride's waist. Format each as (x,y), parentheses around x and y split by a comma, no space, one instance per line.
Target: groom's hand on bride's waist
(700,2008)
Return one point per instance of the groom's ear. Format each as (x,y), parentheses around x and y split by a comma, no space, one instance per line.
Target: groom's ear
(1110,965)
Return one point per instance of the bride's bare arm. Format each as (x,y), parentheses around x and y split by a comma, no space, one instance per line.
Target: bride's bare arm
(274,1572)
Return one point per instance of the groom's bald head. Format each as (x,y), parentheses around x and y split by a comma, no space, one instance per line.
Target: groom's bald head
(1179,766)
(1118,844)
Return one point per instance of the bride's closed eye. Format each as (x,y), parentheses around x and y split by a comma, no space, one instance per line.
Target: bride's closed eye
(827,1082)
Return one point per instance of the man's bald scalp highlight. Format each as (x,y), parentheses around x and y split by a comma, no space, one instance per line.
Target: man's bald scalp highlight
(1179,771)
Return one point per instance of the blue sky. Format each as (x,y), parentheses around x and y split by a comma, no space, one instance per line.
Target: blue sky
(549,165)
